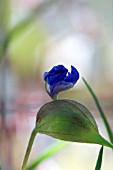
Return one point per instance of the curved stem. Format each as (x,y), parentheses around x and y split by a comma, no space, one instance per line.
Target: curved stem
(26,157)
(108,128)
(50,151)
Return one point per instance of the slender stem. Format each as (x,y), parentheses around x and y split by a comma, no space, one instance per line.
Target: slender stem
(99,160)
(47,153)
(55,97)
(26,157)
(100,110)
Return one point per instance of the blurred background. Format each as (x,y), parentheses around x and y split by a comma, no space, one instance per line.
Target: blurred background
(35,35)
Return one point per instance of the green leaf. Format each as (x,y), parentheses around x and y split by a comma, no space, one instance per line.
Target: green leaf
(100,111)
(70,121)
(51,150)
(86,111)
(21,27)
(99,160)
(5,14)
(25,50)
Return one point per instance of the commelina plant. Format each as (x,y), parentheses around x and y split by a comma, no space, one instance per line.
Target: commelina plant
(67,119)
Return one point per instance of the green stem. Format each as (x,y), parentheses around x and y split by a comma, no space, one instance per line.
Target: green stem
(99,160)
(101,111)
(26,157)
(47,153)
(55,97)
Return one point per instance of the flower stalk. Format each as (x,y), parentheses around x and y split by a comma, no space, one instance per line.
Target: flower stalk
(26,157)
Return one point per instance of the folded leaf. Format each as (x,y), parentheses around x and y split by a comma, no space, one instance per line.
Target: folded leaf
(70,121)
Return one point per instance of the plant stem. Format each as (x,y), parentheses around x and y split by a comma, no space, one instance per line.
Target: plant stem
(26,157)
(47,153)
(99,160)
(100,110)
(54,97)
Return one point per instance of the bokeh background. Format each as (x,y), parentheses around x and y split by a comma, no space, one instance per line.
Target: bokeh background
(35,35)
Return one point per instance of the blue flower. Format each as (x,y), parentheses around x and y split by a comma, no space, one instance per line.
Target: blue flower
(59,79)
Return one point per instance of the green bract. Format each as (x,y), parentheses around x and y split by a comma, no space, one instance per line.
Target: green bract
(70,121)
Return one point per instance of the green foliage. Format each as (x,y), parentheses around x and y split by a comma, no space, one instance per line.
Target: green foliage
(50,151)
(106,123)
(25,49)
(23,42)
(70,121)
(5,15)
(67,120)
(19,28)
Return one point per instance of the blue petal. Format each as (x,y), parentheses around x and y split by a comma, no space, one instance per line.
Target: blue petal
(56,74)
(73,76)
(60,86)
(58,69)
(45,75)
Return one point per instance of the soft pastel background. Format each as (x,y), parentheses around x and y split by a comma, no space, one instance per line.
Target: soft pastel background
(34,36)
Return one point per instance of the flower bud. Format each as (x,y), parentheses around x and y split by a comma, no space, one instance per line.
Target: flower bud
(58,79)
